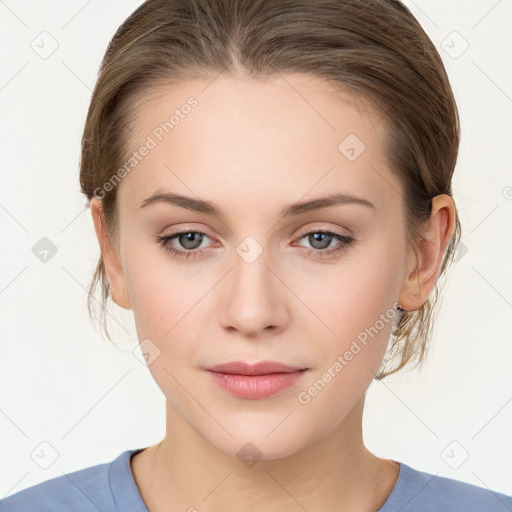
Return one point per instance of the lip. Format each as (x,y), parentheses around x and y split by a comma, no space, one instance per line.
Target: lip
(260,368)
(255,381)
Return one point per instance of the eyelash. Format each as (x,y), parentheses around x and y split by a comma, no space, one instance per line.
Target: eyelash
(345,242)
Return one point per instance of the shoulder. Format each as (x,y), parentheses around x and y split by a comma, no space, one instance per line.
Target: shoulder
(419,490)
(83,490)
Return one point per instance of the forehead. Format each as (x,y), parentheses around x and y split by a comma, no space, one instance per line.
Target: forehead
(251,142)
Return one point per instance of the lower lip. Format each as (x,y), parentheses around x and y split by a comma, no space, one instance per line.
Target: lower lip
(256,386)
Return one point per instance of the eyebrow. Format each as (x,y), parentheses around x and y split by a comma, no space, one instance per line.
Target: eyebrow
(198,205)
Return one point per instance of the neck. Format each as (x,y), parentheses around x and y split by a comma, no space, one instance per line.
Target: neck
(185,472)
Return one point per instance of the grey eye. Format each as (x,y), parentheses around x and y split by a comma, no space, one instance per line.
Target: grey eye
(190,239)
(319,240)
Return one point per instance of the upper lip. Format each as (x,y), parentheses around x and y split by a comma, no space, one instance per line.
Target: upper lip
(261,368)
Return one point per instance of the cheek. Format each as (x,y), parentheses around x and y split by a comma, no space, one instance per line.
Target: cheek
(153,301)
(169,301)
(357,317)
(165,304)
(355,304)
(156,287)
(349,296)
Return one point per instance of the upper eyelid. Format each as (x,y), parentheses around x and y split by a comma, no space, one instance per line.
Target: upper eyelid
(334,231)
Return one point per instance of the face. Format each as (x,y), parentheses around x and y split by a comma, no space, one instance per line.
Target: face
(310,288)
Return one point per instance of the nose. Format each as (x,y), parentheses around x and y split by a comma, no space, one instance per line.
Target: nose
(254,303)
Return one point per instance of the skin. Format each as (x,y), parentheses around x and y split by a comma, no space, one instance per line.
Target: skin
(252,147)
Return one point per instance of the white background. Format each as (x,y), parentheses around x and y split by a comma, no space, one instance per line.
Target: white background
(62,384)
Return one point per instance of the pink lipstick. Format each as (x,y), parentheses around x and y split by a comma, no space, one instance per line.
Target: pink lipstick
(255,381)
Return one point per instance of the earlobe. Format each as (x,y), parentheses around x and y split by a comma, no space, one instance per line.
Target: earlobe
(113,267)
(424,263)
(120,297)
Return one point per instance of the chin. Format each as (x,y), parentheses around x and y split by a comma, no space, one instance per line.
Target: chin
(252,442)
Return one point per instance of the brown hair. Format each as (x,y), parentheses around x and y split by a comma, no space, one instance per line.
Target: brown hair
(375,48)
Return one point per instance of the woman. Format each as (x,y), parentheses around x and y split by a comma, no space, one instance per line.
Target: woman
(270,184)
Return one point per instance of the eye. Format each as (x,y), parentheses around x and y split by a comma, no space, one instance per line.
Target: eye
(320,239)
(192,240)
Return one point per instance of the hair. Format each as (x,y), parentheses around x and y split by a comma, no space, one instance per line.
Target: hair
(376,49)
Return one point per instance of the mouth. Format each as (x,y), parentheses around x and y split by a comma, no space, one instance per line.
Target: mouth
(261,368)
(255,381)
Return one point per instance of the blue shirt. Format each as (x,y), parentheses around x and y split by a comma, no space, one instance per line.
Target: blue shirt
(111,487)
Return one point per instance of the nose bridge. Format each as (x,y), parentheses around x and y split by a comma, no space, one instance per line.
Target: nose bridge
(251,272)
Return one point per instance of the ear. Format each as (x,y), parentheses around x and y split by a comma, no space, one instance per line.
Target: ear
(423,268)
(113,267)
